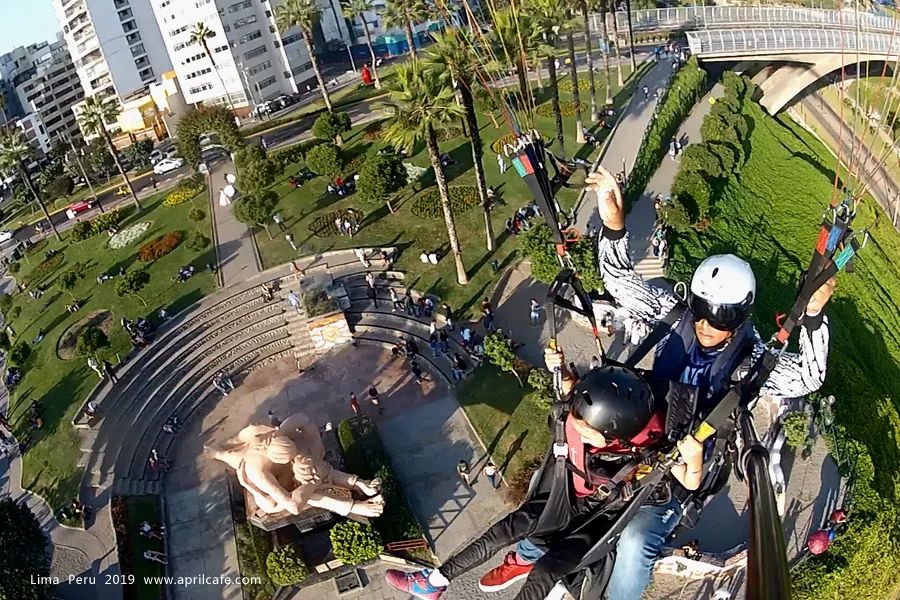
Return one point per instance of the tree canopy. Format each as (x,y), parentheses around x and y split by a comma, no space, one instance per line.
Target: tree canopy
(90,340)
(326,159)
(330,125)
(381,176)
(255,172)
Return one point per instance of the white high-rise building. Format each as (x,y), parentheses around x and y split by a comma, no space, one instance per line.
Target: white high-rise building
(251,60)
(115,45)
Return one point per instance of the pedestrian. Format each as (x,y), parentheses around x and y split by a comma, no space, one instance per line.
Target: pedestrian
(448,314)
(361,255)
(395,301)
(222,382)
(646,91)
(348,227)
(278,220)
(290,241)
(354,404)
(485,305)
(370,279)
(457,367)
(386,260)
(339,223)
(432,327)
(462,469)
(95,366)
(487,320)
(428,306)
(373,295)
(444,341)
(110,370)
(433,343)
(420,306)
(268,293)
(153,182)
(466,335)
(294,300)
(375,399)
(535,307)
(417,371)
(490,471)
(501,163)
(408,305)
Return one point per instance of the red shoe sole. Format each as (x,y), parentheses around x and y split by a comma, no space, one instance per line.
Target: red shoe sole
(502,586)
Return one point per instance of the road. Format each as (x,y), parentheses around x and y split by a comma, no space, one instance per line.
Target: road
(879,181)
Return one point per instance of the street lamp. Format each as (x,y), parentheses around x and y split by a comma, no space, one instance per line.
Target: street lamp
(247,86)
(67,138)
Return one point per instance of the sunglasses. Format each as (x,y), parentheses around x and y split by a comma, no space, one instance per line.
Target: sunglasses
(723,317)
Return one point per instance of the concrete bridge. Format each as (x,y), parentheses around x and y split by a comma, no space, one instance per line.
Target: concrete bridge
(790,48)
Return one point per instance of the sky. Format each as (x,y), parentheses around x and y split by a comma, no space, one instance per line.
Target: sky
(24,22)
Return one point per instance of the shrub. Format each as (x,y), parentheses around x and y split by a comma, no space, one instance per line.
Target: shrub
(132,283)
(326,159)
(462,198)
(90,340)
(796,429)
(99,224)
(14,266)
(677,217)
(200,120)
(159,247)
(538,246)
(4,341)
(285,566)
(330,125)
(566,108)
(541,382)
(6,302)
(255,172)
(380,176)
(355,543)
(497,145)
(293,154)
(59,187)
(727,154)
(14,313)
(700,157)
(82,231)
(323,226)
(198,242)
(186,190)
(693,192)
(252,210)
(196,215)
(317,302)
(19,353)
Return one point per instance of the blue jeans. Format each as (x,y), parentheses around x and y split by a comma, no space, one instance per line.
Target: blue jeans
(636,551)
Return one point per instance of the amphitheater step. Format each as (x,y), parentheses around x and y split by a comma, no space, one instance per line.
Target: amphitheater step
(437,367)
(137,487)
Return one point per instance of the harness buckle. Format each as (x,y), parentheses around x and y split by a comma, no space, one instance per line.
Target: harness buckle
(561,450)
(627,490)
(603,491)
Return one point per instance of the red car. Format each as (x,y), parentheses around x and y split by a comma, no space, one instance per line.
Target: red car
(78,207)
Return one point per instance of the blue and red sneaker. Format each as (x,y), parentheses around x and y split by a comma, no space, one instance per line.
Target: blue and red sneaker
(414,583)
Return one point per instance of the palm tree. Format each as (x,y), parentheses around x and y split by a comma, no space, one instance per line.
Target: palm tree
(94,116)
(548,17)
(422,106)
(404,14)
(616,44)
(573,75)
(14,151)
(586,27)
(452,60)
(603,14)
(357,9)
(630,36)
(508,29)
(200,34)
(303,14)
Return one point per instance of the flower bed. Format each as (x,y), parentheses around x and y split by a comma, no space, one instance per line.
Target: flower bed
(129,235)
(567,109)
(497,145)
(88,229)
(373,133)
(324,226)
(462,198)
(584,85)
(159,247)
(45,267)
(185,190)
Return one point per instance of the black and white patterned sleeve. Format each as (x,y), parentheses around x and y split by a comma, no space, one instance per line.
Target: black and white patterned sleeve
(629,289)
(801,373)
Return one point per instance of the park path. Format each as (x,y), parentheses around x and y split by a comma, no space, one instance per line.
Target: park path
(236,254)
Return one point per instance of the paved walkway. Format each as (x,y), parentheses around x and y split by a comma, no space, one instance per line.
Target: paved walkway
(236,252)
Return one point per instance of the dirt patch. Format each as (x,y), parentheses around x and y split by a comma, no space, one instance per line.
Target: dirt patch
(65,349)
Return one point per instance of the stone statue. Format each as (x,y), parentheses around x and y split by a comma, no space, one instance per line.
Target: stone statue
(284,468)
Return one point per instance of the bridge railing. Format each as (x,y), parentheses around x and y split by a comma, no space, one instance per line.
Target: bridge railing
(700,17)
(731,42)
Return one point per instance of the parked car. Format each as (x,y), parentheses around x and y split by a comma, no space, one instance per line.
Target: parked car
(214,152)
(78,207)
(168,164)
(162,153)
(5,236)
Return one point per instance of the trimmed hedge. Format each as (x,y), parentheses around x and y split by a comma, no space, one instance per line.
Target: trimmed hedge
(324,226)
(159,247)
(285,566)
(365,456)
(355,543)
(462,198)
(87,229)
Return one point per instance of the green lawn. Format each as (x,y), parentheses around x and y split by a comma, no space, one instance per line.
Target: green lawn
(62,385)
(770,214)
(413,234)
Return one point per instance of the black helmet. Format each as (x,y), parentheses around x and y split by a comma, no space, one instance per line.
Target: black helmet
(615,401)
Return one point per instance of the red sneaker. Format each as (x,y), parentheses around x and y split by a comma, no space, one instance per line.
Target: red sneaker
(505,575)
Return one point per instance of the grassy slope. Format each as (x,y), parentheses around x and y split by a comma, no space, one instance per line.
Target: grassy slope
(60,386)
(413,234)
(770,214)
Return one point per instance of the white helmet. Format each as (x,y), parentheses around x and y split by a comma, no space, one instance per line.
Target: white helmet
(723,289)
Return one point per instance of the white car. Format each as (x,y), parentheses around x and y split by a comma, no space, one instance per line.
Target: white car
(168,164)
(5,236)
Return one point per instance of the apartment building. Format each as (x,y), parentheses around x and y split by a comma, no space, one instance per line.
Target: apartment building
(16,67)
(115,45)
(251,60)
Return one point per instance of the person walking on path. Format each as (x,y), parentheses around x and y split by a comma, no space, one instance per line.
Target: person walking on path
(501,163)
(354,404)
(375,399)
(110,370)
(444,341)
(290,241)
(223,383)
(448,314)
(395,301)
(361,255)
(466,335)
(462,469)
(646,91)
(370,279)
(535,312)
(433,344)
(490,471)
(457,367)
(417,371)
(294,300)
(278,221)
(408,304)
(373,295)
(432,327)
(487,319)
(95,366)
